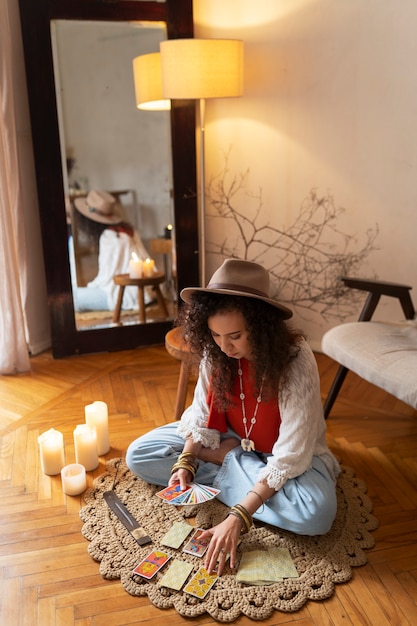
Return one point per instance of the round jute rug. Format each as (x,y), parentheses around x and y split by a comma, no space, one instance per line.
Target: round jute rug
(321,561)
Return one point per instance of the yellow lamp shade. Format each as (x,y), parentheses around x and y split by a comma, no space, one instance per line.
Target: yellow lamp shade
(147,76)
(202,68)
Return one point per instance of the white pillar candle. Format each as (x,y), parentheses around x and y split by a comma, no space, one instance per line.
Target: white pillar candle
(148,267)
(51,447)
(96,416)
(74,480)
(135,266)
(85,443)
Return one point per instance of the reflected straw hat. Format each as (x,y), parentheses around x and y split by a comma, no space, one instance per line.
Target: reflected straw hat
(236,277)
(99,206)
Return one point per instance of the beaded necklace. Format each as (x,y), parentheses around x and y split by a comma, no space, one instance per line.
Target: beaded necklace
(247,443)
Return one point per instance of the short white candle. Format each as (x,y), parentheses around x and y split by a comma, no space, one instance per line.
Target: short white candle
(85,443)
(96,416)
(148,267)
(135,266)
(51,446)
(74,480)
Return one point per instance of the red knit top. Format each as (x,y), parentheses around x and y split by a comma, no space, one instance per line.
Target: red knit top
(266,429)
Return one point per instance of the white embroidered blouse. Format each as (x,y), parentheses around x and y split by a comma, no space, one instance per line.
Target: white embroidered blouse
(302,433)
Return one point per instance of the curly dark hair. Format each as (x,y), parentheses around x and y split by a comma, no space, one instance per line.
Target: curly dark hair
(274,343)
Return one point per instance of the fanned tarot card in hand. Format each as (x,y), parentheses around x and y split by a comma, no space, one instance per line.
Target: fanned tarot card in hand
(193,494)
(172,493)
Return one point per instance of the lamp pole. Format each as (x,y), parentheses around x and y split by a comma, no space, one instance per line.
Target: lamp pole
(202,194)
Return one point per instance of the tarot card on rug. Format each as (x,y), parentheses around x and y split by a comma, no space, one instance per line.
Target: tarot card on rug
(152,564)
(265,567)
(197,546)
(201,583)
(178,533)
(176,575)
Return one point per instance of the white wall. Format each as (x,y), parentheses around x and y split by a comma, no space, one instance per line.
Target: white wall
(330,105)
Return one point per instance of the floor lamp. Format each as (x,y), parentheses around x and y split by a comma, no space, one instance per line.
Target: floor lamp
(198,69)
(147,77)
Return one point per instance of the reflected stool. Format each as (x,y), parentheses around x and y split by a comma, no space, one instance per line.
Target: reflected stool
(177,347)
(124,280)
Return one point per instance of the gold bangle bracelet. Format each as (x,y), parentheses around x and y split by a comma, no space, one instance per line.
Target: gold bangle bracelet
(182,461)
(236,514)
(244,515)
(245,511)
(185,455)
(185,466)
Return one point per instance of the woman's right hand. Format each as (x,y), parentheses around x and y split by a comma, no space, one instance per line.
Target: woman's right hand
(181,476)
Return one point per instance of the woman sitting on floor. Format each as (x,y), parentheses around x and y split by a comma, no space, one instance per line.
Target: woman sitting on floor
(255,429)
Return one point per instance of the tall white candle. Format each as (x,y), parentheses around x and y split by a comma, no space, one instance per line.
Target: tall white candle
(96,415)
(73,479)
(85,443)
(135,266)
(51,447)
(148,267)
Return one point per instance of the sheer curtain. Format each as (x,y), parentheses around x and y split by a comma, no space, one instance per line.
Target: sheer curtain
(16,216)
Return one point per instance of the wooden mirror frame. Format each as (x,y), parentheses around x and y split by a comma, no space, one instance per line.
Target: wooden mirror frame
(36,16)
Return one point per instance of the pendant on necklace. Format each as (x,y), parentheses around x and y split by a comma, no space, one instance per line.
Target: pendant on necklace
(247,444)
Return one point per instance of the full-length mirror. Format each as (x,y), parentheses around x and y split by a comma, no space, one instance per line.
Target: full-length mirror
(111,147)
(115,184)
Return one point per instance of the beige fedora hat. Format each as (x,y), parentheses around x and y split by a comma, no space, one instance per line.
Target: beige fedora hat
(239,278)
(99,206)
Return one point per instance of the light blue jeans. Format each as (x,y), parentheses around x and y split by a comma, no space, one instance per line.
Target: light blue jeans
(90,299)
(305,505)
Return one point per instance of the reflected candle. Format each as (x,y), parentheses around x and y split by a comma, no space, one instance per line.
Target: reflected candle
(85,443)
(135,266)
(73,479)
(96,416)
(51,445)
(148,267)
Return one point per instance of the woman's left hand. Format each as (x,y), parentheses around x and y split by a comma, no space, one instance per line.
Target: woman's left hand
(224,541)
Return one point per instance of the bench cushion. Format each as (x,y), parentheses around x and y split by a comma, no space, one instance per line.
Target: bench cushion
(383,353)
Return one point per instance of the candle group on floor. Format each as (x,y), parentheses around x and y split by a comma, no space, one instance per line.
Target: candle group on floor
(91,440)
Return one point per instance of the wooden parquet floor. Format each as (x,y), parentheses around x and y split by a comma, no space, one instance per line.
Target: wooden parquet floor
(46,574)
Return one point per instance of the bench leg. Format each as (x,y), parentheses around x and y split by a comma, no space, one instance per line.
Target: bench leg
(334,389)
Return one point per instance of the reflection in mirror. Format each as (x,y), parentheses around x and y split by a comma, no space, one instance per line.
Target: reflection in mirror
(117,174)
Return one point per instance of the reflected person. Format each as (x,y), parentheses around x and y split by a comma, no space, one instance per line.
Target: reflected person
(99,216)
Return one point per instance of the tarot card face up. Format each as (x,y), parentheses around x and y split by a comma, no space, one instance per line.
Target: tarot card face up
(201,583)
(152,564)
(197,546)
